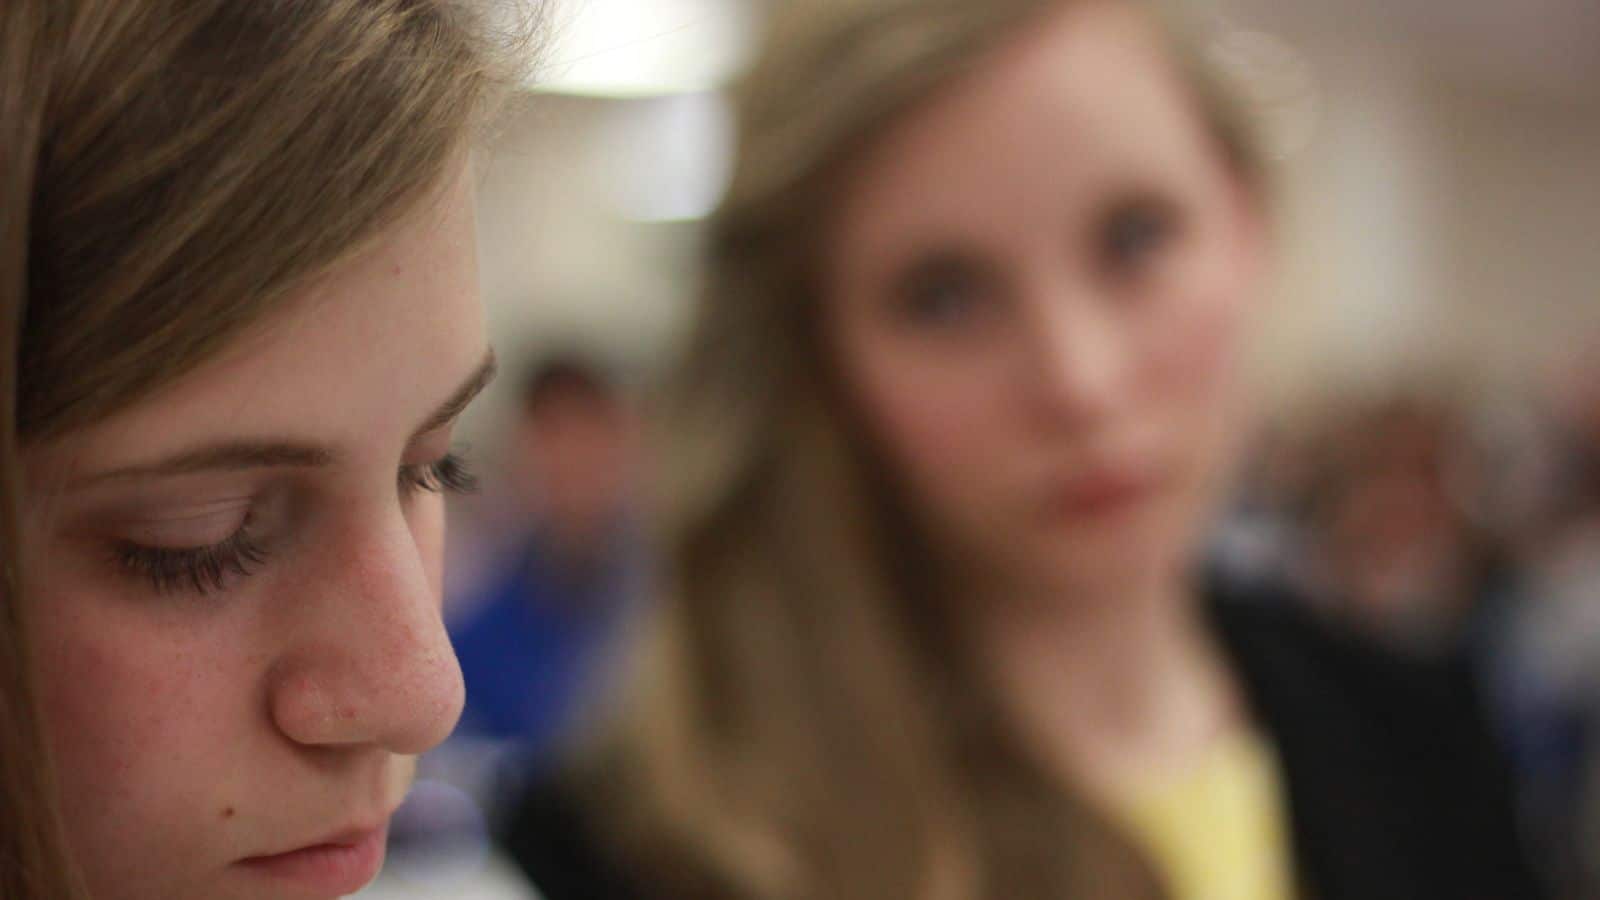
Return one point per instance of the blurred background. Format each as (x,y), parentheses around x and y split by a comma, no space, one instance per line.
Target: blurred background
(1428,465)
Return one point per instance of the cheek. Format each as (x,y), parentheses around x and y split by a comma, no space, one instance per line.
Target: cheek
(106,692)
(1193,355)
(140,727)
(1211,295)
(1193,380)
(940,422)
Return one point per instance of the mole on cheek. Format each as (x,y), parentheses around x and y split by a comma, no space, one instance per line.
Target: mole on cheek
(227,812)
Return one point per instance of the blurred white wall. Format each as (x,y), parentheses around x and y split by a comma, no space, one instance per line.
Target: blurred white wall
(1444,220)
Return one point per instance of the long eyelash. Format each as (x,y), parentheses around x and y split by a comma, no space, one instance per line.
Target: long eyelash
(200,569)
(449,475)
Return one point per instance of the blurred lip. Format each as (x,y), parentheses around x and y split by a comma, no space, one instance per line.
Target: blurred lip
(341,863)
(1104,492)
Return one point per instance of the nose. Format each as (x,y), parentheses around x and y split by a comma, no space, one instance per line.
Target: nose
(372,663)
(1076,363)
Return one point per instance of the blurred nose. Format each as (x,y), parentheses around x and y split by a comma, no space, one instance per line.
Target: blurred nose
(1076,359)
(373,665)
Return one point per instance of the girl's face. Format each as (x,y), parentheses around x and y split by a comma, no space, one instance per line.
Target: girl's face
(234,587)
(1035,291)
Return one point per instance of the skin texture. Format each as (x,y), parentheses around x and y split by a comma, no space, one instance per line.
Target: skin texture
(1035,290)
(273,710)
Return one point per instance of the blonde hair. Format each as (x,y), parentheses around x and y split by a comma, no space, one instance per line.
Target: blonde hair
(806,727)
(173,170)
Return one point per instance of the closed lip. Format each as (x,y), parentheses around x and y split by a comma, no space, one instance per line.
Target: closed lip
(1103,491)
(340,863)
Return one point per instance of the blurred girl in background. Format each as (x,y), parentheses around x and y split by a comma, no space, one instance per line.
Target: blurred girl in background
(240,315)
(965,389)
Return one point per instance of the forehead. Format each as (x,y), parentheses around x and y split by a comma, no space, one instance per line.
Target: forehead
(357,358)
(1088,94)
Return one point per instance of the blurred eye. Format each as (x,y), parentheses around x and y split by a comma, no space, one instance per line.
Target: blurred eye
(942,293)
(1134,233)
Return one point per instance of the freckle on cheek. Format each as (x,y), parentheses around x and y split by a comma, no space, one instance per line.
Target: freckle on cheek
(227,813)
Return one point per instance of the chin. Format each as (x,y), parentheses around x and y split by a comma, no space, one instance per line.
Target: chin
(1107,560)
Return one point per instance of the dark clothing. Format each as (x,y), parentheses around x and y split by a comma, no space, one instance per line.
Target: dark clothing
(1396,790)
(1395,786)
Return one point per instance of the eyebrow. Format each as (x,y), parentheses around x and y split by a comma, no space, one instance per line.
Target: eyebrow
(463,397)
(242,455)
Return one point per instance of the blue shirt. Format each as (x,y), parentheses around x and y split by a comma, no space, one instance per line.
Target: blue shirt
(531,648)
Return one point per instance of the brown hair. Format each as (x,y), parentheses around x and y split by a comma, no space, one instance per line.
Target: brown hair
(806,726)
(173,170)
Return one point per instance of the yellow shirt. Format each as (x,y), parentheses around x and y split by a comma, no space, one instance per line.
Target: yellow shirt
(1218,830)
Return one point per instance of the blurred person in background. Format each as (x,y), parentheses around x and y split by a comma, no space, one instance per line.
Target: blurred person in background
(1450,523)
(239,293)
(1397,555)
(549,615)
(1546,671)
(965,389)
